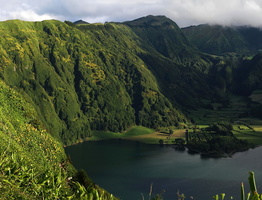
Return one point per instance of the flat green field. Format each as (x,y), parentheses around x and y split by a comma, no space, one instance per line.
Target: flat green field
(252,131)
(139,133)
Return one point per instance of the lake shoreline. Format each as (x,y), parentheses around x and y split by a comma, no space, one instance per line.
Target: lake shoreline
(185,147)
(136,165)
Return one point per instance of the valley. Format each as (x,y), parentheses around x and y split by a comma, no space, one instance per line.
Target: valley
(146,80)
(243,127)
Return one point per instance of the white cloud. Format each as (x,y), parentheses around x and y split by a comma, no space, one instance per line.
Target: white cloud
(27,15)
(184,12)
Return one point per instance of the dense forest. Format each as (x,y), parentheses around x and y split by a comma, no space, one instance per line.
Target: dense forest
(82,77)
(70,79)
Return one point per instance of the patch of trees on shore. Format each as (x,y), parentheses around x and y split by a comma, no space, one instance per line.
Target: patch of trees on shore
(217,140)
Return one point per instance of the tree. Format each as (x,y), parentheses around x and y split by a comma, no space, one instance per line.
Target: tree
(180,141)
(161,142)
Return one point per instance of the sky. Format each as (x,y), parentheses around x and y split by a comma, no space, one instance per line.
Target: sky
(183,12)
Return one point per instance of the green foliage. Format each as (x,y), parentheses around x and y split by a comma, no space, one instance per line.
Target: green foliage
(217,39)
(180,141)
(82,78)
(20,181)
(33,164)
(221,128)
(111,76)
(20,129)
(138,130)
(216,140)
(252,195)
(75,81)
(250,75)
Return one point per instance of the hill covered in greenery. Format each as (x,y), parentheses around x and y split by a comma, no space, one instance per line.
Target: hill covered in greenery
(33,164)
(62,81)
(82,77)
(100,76)
(217,39)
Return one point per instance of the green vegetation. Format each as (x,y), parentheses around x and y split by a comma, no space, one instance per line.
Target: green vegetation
(216,140)
(82,78)
(138,130)
(33,164)
(85,77)
(63,83)
(220,40)
(217,39)
(252,195)
(131,133)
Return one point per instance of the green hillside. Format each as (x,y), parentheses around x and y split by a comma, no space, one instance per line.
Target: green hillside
(83,79)
(61,82)
(180,69)
(160,34)
(250,75)
(163,35)
(216,39)
(253,36)
(33,164)
(68,81)
(97,76)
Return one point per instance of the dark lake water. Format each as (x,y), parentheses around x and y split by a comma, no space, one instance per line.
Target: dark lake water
(127,169)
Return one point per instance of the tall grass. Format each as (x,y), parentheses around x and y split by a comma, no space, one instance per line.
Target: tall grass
(251,195)
(33,164)
(19,181)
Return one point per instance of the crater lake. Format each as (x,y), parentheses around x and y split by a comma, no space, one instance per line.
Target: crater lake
(127,169)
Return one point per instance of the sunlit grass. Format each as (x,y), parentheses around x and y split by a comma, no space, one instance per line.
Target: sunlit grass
(134,131)
(139,130)
(250,136)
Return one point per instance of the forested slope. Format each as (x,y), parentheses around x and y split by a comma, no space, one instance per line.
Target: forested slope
(33,164)
(83,77)
(60,81)
(77,82)
(218,39)
(181,70)
(95,76)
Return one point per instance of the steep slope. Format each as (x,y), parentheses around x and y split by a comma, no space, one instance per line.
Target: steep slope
(33,164)
(163,35)
(216,39)
(83,77)
(180,69)
(250,75)
(235,72)
(253,36)
(35,58)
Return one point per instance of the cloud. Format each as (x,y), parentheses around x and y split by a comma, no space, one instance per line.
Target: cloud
(184,12)
(233,12)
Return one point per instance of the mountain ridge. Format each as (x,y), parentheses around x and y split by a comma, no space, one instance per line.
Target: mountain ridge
(57,66)
(218,39)
(62,81)
(113,75)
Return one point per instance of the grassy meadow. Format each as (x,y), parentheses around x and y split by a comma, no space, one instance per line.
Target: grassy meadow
(140,134)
